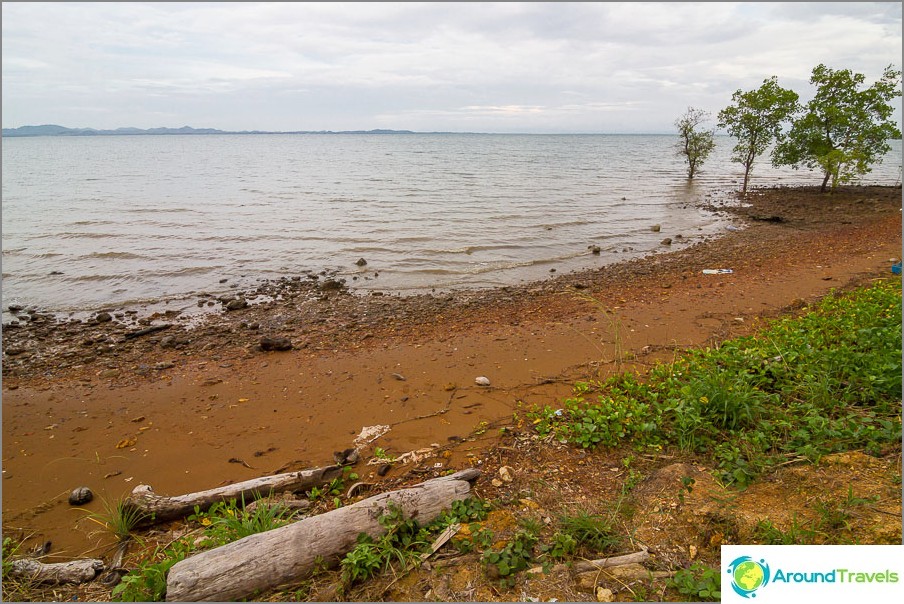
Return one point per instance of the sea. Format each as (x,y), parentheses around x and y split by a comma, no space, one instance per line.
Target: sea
(113,222)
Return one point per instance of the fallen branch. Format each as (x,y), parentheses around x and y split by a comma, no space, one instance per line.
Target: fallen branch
(157,508)
(146,331)
(289,553)
(634,558)
(75,571)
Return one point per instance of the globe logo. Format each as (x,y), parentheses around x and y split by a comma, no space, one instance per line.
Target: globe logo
(748,575)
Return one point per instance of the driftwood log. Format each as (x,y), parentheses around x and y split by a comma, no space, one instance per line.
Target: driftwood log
(266,560)
(75,571)
(603,563)
(157,508)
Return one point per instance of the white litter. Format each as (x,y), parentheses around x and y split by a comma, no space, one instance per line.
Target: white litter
(369,434)
(717,271)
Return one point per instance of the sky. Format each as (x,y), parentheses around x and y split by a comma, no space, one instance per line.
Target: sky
(585,67)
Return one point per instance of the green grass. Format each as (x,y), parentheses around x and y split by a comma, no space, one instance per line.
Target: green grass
(803,387)
(118,517)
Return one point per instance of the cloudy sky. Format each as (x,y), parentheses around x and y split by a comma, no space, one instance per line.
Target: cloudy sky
(478,67)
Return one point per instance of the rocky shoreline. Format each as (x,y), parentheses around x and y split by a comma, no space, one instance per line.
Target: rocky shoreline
(320,313)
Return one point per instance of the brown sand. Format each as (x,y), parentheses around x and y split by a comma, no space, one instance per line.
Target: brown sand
(82,406)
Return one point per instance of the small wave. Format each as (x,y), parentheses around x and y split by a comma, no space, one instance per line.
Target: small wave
(71,235)
(112,255)
(90,222)
(163,210)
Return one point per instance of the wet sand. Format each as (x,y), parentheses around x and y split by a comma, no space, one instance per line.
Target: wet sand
(190,409)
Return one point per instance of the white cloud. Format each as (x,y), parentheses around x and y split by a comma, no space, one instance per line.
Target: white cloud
(517,66)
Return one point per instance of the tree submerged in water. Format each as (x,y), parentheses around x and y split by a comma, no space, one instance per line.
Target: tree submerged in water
(695,143)
(755,118)
(843,129)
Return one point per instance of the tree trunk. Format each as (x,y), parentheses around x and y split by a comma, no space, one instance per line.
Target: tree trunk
(156,508)
(289,553)
(825,181)
(75,571)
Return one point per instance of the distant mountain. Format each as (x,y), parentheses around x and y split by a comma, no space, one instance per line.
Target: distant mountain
(54,130)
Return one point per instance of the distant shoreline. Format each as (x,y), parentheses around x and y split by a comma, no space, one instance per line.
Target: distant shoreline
(56,130)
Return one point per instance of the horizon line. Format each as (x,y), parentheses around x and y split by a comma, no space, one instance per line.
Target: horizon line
(326,131)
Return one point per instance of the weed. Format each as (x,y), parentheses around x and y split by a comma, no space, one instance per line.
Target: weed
(514,556)
(594,533)
(226,521)
(476,537)
(381,453)
(119,517)
(562,546)
(700,583)
(147,583)
(401,543)
(767,533)
(802,387)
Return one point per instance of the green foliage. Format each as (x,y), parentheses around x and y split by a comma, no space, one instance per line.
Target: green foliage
(225,522)
(465,511)
(119,518)
(10,549)
(476,538)
(694,143)
(402,542)
(806,386)
(766,533)
(563,545)
(700,583)
(755,118)
(147,583)
(592,532)
(381,453)
(844,129)
(514,557)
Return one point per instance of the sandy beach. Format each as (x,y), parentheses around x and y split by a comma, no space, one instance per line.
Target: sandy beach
(200,404)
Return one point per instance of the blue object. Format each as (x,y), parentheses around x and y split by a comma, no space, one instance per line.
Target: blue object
(896,268)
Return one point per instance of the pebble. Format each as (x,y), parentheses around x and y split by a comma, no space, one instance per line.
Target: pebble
(482,381)
(278,343)
(80,496)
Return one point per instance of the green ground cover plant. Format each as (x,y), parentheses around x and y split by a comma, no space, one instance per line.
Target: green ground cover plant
(805,386)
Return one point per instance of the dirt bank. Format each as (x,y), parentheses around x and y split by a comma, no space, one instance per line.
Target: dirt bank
(192,406)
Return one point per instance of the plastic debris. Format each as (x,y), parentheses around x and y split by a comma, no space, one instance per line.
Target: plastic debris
(717,271)
(369,434)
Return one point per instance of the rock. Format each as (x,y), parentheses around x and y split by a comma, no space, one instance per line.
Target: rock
(236,304)
(103,317)
(347,457)
(14,308)
(80,496)
(482,381)
(110,373)
(506,473)
(666,241)
(595,249)
(604,595)
(279,343)
(656,228)
(361,262)
(331,284)
(384,469)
